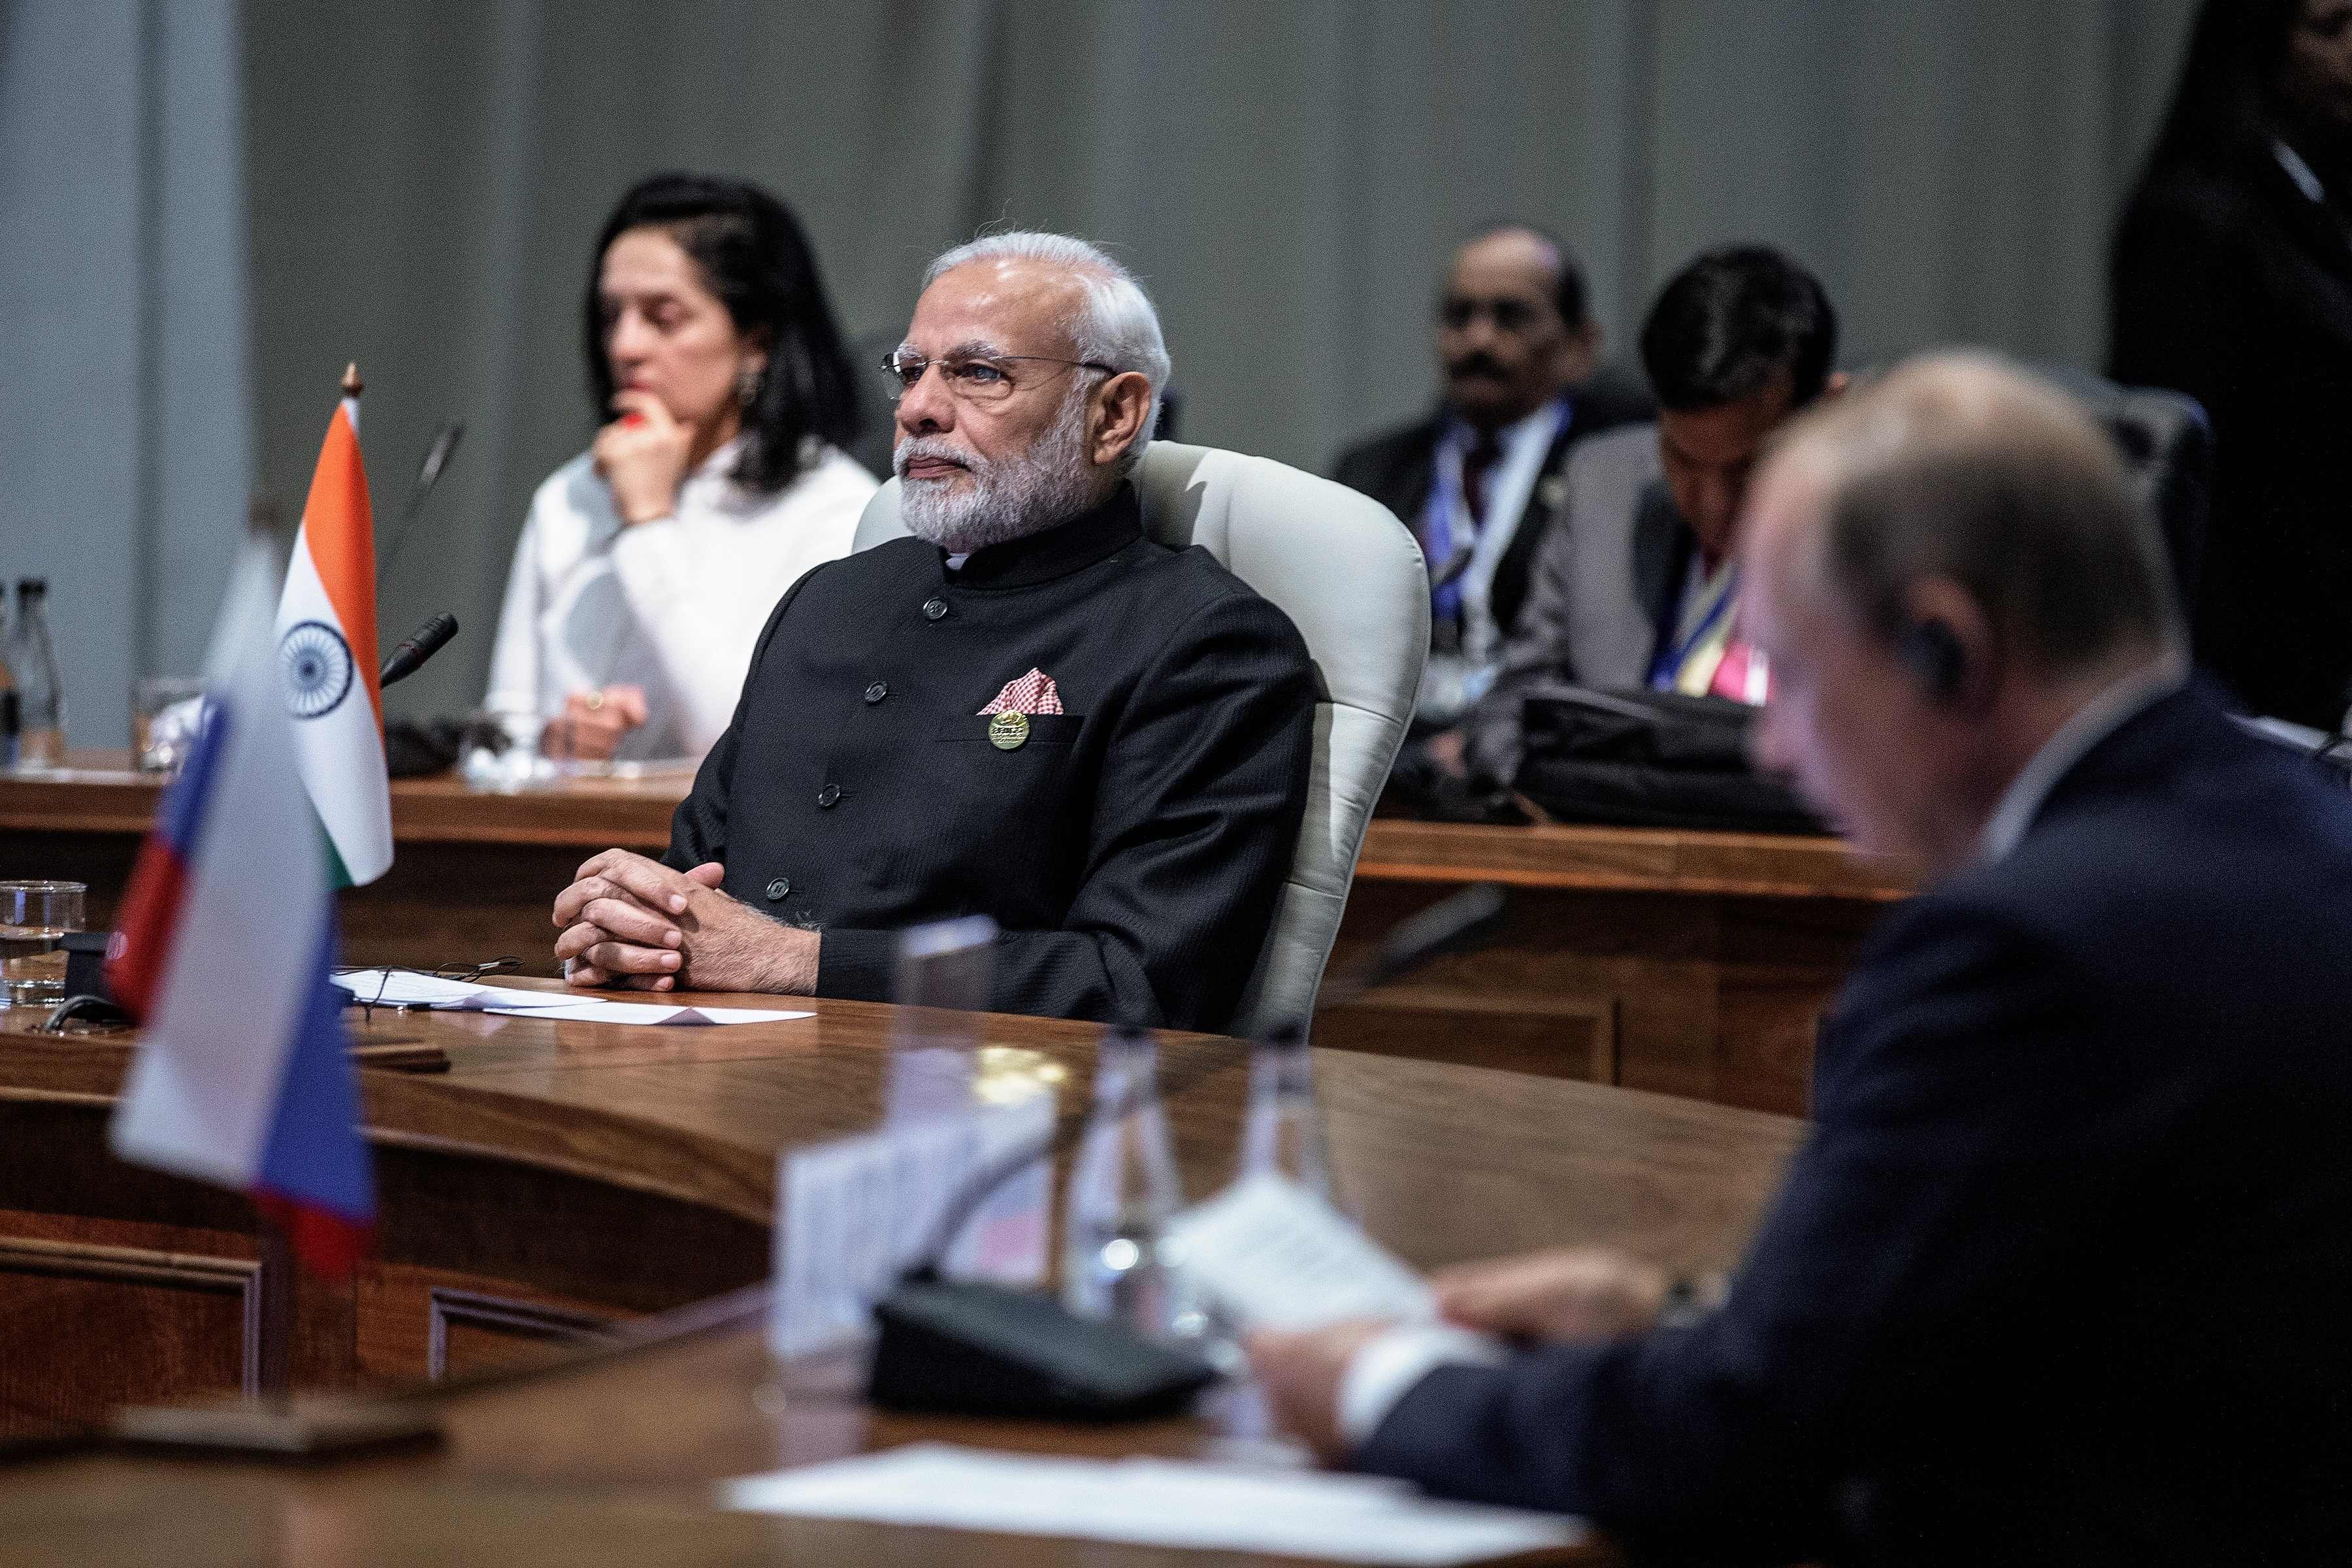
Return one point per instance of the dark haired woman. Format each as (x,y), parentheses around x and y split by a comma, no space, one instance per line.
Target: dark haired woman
(2233,282)
(650,561)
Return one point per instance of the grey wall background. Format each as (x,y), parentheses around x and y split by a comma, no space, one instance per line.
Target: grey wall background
(420,181)
(125,437)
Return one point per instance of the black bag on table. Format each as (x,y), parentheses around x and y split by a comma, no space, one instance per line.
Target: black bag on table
(1650,759)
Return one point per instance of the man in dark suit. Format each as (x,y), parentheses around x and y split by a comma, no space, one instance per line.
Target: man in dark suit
(2059,1274)
(1478,478)
(1029,711)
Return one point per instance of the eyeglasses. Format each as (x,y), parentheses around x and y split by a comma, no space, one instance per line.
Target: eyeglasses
(464,973)
(1508,315)
(976,378)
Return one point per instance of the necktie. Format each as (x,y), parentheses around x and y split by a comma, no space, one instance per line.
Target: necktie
(1449,556)
(1477,463)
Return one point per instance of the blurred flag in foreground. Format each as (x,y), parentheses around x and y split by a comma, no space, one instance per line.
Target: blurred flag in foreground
(327,655)
(228,933)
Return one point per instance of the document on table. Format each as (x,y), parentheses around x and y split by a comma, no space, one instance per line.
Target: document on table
(1272,1255)
(413,988)
(590,1010)
(1153,1503)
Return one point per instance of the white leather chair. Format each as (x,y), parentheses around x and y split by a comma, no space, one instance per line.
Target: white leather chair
(1350,577)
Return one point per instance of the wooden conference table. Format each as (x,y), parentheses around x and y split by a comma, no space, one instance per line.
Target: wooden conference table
(1691,963)
(557,1177)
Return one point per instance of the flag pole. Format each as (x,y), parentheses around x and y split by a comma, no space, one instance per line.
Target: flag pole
(275,1279)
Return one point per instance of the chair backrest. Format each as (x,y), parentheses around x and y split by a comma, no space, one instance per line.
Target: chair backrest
(1350,576)
(2168,445)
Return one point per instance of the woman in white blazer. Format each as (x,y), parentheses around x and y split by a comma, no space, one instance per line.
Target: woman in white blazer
(650,561)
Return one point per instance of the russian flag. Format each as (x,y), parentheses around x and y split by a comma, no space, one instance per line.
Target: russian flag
(224,948)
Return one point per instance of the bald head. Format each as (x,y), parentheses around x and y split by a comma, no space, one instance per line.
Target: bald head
(1941,570)
(1961,467)
(1512,328)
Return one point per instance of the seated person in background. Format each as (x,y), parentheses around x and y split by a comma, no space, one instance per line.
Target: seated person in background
(2058,1273)
(1029,711)
(650,561)
(1634,581)
(1477,480)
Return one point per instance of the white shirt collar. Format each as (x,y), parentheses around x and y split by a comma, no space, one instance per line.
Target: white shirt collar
(2114,706)
(1541,425)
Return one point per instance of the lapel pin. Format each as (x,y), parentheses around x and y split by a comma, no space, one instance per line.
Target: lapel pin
(1008,731)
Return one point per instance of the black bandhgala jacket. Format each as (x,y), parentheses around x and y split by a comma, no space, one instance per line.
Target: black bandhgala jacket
(1131,848)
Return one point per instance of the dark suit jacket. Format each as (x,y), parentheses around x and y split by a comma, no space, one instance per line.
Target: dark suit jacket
(2230,284)
(1607,583)
(1398,467)
(2062,1273)
(1132,849)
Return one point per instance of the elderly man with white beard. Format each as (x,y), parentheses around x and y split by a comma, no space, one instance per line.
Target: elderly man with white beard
(1029,711)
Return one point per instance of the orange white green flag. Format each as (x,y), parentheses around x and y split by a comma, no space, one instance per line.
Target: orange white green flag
(327,658)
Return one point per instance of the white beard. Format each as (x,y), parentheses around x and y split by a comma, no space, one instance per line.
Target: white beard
(1008,498)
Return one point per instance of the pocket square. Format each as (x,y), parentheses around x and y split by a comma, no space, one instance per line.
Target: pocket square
(1033,693)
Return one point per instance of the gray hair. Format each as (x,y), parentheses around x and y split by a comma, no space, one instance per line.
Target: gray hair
(1966,467)
(1116,326)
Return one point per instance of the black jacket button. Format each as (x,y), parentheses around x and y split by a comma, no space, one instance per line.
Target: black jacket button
(934,608)
(779,887)
(879,690)
(828,794)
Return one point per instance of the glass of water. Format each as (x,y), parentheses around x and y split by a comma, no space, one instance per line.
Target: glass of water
(34,919)
(166,711)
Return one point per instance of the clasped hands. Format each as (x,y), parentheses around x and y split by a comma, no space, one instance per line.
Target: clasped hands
(632,923)
(1569,1296)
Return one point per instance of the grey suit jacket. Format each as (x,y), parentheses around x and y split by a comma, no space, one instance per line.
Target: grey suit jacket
(1603,583)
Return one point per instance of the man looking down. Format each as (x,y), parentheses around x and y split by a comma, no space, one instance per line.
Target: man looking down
(2058,1274)
(1028,711)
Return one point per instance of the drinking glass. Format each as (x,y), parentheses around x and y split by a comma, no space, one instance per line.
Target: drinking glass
(165,712)
(34,919)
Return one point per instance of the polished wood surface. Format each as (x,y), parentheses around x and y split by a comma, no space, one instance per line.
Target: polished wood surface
(1689,962)
(563,1177)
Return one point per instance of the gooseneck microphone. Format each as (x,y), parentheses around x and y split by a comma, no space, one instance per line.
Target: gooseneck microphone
(417,648)
(428,473)
(977,1349)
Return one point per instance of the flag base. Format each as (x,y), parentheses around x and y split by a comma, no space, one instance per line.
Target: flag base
(300,1429)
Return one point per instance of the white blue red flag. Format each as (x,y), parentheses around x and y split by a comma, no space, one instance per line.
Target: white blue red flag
(223,950)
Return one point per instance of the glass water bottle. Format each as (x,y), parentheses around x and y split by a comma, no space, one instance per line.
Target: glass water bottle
(1124,1190)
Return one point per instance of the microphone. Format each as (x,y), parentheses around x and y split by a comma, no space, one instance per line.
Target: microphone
(975,1349)
(417,648)
(428,473)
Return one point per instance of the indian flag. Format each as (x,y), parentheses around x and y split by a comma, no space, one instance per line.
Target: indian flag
(327,658)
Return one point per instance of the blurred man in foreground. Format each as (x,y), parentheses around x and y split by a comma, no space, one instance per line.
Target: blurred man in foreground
(1029,711)
(2058,1274)
(1478,480)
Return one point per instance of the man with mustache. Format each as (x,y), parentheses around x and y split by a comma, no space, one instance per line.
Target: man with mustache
(1478,480)
(1029,711)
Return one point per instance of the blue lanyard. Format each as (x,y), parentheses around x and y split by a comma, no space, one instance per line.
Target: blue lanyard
(1668,668)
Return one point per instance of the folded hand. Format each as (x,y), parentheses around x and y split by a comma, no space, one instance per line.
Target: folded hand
(629,921)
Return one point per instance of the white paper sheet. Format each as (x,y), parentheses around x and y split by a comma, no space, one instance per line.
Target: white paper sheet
(1272,1255)
(1153,1503)
(590,1010)
(414,988)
